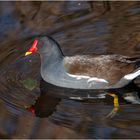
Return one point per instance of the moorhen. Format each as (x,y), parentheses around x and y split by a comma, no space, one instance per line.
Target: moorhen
(84,71)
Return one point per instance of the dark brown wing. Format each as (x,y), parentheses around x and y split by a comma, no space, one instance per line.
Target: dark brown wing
(109,67)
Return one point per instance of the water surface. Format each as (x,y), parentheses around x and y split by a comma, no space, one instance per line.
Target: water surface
(79,28)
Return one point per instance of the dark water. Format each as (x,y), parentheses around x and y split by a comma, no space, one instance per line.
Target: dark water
(80,28)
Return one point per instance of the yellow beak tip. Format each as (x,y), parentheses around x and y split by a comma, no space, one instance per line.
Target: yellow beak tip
(28,53)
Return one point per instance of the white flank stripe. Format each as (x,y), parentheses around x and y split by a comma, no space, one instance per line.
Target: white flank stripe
(132,75)
(89,79)
(78,77)
(96,79)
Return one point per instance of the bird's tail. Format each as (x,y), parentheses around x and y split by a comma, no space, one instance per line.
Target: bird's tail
(138,63)
(135,60)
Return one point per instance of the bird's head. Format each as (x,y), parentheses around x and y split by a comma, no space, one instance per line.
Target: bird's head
(40,45)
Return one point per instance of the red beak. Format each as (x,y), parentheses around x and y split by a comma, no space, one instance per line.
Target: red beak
(33,49)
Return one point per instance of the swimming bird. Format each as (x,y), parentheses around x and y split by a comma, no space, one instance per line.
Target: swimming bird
(91,72)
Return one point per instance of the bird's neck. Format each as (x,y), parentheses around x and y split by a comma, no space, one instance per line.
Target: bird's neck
(54,55)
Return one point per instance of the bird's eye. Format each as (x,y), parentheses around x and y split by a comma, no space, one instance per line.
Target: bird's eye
(41,43)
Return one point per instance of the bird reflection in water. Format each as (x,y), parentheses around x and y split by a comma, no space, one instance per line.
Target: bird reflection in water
(61,109)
